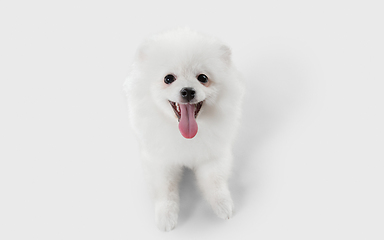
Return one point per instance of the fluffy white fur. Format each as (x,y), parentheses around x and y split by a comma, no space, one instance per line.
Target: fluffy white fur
(164,151)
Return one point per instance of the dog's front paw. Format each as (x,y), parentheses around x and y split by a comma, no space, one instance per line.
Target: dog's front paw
(223,208)
(166,215)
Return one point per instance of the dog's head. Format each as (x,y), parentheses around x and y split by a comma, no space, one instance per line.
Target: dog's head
(185,72)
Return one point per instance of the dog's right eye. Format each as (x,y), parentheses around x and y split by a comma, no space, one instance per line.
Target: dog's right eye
(169,79)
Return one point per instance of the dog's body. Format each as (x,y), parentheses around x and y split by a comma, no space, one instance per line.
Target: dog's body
(182,75)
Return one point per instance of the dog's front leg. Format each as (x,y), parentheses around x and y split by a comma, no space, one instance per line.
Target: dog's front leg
(164,180)
(212,179)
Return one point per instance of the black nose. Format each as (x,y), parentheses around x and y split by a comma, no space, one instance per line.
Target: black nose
(187,93)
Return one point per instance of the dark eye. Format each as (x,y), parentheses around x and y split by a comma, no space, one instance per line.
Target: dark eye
(202,78)
(169,79)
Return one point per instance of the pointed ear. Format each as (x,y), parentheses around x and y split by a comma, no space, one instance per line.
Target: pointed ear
(226,53)
(142,52)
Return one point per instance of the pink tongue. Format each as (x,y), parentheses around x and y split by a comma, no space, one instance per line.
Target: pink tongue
(187,124)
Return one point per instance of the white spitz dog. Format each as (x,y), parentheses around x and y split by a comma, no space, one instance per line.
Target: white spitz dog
(184,96)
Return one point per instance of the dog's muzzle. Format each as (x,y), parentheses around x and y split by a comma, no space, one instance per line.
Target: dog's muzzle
(187,94)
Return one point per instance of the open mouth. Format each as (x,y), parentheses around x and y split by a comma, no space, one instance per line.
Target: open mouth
(177,110)
(186,114)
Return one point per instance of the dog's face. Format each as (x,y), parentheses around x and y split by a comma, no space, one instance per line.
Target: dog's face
(185,77)
(186,92)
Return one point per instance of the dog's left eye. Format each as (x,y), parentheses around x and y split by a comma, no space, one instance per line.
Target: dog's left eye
(202,78)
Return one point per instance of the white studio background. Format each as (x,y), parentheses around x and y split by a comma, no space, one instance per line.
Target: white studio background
(309,157)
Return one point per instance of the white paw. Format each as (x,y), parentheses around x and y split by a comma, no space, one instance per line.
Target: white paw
(223,208)
(166,215)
